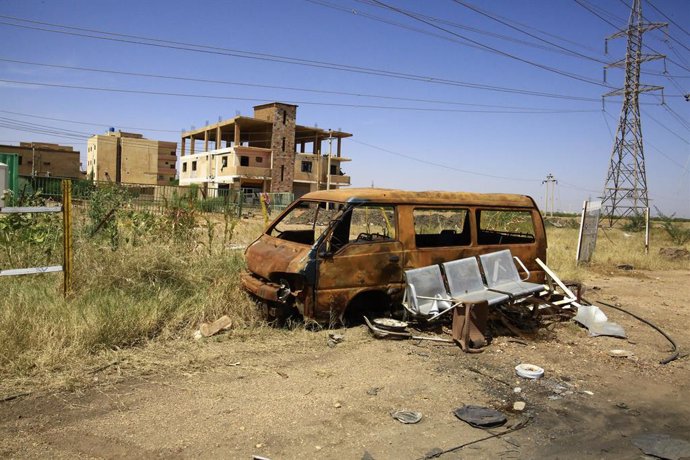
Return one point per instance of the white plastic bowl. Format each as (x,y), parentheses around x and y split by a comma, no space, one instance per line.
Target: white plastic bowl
(529,371)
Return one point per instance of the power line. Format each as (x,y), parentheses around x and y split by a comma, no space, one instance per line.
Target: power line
(667,18)
(441,165)
(523,31)
(181,46)
(264,100)
(256,85)
(492,49)
(361,13)
(90,123)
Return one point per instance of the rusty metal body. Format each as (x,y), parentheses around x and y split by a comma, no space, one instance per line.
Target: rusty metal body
(322,276)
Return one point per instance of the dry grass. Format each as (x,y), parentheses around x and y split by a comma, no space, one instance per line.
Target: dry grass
(160,288)
(614,247)
(156,286)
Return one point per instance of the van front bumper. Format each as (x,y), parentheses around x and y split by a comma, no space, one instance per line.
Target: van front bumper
(261,288)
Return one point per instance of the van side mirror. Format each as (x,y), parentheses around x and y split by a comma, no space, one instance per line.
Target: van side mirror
(325,254)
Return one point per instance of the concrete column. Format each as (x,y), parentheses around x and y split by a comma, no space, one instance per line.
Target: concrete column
(182,147)
(206,140)
(237,134)
(219,141)
(339,145)
(191,147)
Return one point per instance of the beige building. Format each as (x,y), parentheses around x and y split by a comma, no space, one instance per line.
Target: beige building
(45,160)
(268,152)
(129,158)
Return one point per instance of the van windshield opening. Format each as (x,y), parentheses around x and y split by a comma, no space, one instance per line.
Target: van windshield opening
(306,221)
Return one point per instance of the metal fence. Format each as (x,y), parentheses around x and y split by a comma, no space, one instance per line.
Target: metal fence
(157,198)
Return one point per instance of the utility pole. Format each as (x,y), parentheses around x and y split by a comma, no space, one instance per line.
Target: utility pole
(550,182)
(625,189)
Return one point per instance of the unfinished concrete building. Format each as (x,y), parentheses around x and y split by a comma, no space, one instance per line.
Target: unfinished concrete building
(260,154)
(45,160)
(129,158)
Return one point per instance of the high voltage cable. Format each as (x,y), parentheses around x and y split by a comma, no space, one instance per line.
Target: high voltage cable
(523,31)
(527,26)
(441,165)
(669,19)
(328,104)
(589,8)
(374,17)
(494,50)
(89,123)
(180,46)
(256,85)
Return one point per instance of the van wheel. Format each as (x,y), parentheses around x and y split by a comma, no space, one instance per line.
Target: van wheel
(277,314)
(369,304)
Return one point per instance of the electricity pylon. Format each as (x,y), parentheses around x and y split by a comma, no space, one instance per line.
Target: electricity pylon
(625,189)
(550,182)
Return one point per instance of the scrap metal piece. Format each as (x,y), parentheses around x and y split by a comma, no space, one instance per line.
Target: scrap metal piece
(480,417)
(597,322)
(407,416)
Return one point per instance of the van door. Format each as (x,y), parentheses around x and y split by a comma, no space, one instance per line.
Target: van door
(361,255)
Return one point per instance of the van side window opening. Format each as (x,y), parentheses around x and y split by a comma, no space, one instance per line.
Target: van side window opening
(441,227)
(363,224)
(504,227)
(305,222)
(372,223)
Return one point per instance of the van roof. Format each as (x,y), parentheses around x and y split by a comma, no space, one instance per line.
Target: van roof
(380,195)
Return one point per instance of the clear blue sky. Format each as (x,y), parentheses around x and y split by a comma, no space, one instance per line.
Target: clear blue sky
(412,144)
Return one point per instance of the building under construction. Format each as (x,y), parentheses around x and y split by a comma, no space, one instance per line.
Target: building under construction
(260,154)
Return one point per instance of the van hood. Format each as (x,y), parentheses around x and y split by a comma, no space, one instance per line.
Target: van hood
(269,255)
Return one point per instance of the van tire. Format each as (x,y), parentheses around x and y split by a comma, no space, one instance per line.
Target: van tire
(373,304)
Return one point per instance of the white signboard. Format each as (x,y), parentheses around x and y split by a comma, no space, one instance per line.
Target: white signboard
(587,240)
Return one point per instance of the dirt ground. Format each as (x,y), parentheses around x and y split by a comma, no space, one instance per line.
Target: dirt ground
(286,394)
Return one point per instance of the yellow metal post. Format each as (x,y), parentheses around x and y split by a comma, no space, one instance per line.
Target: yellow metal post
(67,234)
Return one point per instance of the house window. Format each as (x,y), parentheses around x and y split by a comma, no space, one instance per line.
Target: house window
(259,160)
(184,166)
(193,165)
(172,166)
(334,170)
(46,163)
(20,160)
(172,153)
(224,162)
(306,166)
(284,116)
(283,144)
(244,161)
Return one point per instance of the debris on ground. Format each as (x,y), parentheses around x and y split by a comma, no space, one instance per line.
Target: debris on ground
(334,339)
(596,321)
(626,267)
(529,371)
(407,416)
(519,406)
(480,417)
(619,353)
(662,446)
(221,324)
(675,253)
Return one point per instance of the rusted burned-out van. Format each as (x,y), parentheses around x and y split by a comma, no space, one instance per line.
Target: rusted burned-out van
(332,254)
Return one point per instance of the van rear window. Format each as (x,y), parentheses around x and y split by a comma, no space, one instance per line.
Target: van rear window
(504,227)
(441,227)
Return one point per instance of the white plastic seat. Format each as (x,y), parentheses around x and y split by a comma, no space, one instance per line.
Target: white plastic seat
(502,276)
(466,284)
